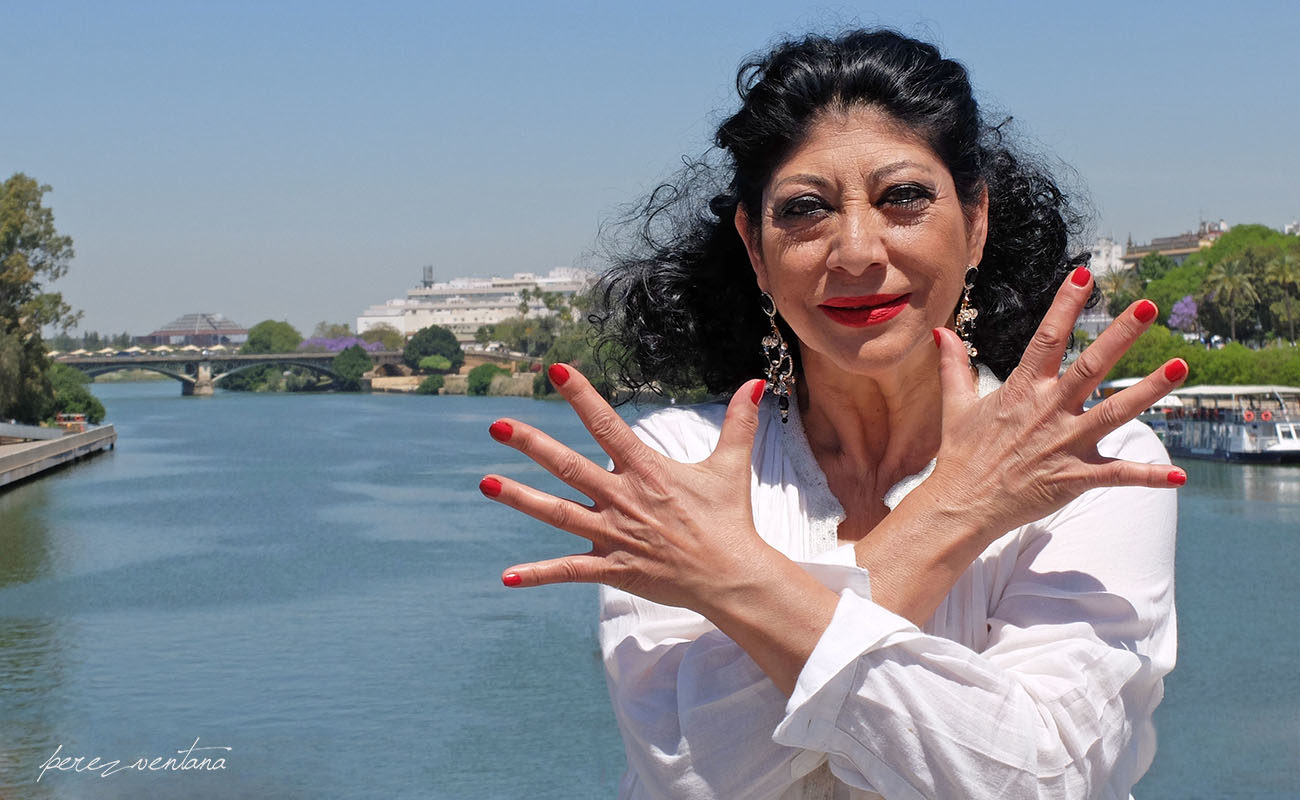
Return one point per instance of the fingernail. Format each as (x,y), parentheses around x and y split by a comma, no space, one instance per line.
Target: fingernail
(490,487)
(1145,311)
(1080,276)
(511,579)
(558,374)
(1177,477)
(757,393)
(1176,370)
(501,431)
(938,338)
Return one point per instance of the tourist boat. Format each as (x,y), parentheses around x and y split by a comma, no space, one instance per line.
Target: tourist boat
(1234,423)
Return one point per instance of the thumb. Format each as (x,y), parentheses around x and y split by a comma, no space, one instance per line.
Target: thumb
(736,440)
(954,372)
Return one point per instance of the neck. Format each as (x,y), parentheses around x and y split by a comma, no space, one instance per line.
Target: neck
(880,427)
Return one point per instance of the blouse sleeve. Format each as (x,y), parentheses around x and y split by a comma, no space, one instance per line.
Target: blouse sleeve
(1059,702)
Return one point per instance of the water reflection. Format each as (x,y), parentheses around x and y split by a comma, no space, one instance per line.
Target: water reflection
(33,667)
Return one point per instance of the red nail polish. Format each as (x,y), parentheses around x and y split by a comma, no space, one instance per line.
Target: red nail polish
(1176,370)
(501,431)
(511,579)
(938,338)
(490,487)
(757,393)
(1145,311)
(558,374)
(1080,276)
(1177,477)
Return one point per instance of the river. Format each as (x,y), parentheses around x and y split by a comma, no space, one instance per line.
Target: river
(311,581)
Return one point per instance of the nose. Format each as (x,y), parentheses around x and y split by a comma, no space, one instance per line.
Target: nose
(858,242)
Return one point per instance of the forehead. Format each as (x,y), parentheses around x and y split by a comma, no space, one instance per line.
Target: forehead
(857,141)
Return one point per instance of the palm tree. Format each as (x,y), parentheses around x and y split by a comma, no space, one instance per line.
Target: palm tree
(1228,282)
(1284,272)
(1120,288)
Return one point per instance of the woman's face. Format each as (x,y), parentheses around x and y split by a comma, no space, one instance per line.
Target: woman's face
(863,243)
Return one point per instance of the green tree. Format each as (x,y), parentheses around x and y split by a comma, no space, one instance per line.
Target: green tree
(480,378)
(388,336)
(430,385)
(350,364)
(331,330)
(1152,349)
(70,395)
(1228,283)
(1283,271)
(1179,282)
(1120,289)
(1154,266)
(434,340)
(270,336)
(436,364)
(32,254)
(483,335)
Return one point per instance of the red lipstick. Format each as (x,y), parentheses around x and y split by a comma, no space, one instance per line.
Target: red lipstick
(870,309)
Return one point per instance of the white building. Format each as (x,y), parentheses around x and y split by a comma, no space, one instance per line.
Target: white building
(466,304)
(1107,256)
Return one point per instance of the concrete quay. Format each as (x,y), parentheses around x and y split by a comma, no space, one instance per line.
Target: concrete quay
(23,460)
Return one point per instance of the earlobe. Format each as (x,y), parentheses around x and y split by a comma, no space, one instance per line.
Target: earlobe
(747,235)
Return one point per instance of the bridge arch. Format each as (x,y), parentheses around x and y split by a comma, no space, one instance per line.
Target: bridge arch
(94,372)
(318,369)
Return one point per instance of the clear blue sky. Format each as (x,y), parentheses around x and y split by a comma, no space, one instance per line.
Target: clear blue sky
(303,160)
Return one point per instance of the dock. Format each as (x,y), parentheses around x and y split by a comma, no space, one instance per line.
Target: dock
(25,459)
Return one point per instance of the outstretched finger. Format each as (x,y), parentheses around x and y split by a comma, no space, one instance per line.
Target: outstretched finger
(1043,354)
(563,462)
(1098,358)
(558,512)
(1114,472)
(584,568)
(1123,406)
(736,439)
(601,420)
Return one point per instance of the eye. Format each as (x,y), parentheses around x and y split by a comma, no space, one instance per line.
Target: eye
(805,205)
(908,197)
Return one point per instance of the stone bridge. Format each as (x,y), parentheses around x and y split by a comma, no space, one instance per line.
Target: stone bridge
(199,373)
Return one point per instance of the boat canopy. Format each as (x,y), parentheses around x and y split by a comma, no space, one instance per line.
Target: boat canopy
(1236,391)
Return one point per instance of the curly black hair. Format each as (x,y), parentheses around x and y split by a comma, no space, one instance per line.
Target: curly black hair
(680,304)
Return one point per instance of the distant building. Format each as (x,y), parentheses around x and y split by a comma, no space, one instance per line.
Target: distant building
(1177,247)
(1292,228)
(466,304)
(1107,256)
(203,330)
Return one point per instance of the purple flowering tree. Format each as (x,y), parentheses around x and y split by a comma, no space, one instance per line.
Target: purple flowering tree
(1182,317)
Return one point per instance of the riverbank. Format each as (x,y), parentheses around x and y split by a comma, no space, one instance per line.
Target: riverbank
(24,460)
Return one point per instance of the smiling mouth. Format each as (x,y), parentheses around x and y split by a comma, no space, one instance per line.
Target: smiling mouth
(859,312)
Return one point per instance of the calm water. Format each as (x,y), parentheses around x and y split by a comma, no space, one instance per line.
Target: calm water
(312,581)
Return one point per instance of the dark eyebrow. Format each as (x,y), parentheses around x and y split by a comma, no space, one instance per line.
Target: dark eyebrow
(804,177)
(898,166)
(879,174)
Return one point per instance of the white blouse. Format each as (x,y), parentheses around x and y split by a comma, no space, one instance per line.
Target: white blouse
(1036,677)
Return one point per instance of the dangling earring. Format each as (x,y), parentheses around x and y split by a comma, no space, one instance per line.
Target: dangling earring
(966,313)
(780,366)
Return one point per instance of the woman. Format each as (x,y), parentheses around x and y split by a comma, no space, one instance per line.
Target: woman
(922,570)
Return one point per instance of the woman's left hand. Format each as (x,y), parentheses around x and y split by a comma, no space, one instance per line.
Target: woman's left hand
(670,532)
